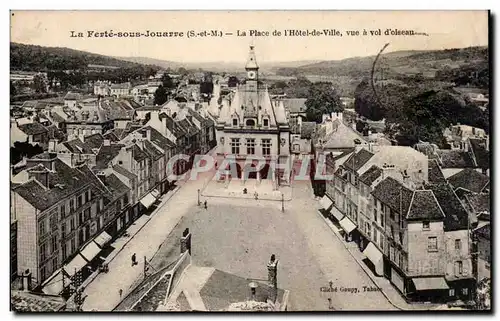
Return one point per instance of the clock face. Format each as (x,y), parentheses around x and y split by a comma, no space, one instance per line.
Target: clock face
(251,75)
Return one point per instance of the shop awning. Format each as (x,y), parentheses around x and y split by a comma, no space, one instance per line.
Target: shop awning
(347,225)
(77,264)
(422,284)
(325,202)
(155,193)
(148,200)
(376,257)
(102,239)
(90,251)
(54,284)
(337,214)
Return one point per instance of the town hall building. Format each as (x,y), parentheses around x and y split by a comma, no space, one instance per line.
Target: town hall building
(251,125)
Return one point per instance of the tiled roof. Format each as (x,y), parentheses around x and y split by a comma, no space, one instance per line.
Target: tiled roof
(469,179)
(342,136)
(484,231)
(115,185)
(76,146)
(137,153)
(33,128)
(55,133)
(435,174)
(106,155)
(455,159)
(479,202)
(22,301)
(456,216)
(482,156)
(223,288)
(295,105)
(94,141)
(157,138)
(124,172)
(63,182)
(393,194)
(307,129)
(120,86)
(110,135)
(424,206)
(371,175)
(356,161)
(151,150)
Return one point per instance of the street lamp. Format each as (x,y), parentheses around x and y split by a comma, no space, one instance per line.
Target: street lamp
(282,202)
(198,197)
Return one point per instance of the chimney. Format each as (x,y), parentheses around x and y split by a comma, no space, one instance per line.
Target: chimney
(148,134)
(26,283)
(186,241)
(52,146)
(41,174)
(82,137)
(272,277)
(102,177)
(106,142)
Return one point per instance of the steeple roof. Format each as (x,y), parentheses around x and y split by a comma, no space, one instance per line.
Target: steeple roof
(252,60)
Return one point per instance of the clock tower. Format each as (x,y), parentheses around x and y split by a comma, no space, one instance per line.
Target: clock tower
(251,67)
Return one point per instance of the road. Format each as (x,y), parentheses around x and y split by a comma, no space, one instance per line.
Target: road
(103,292)
(238,236)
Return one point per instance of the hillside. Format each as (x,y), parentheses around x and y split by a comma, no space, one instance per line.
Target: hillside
(38,58)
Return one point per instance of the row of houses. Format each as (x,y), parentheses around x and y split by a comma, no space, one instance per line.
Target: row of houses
(417,213)
(70,201)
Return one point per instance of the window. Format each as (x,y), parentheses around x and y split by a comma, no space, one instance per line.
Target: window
(73,245)
(250,123)
(72,223)
(375,214)
(54,263)
(452,292)
(80,218)
(368,229)
(71,205)
(63,230)
(43,252)
(382,219)
(432,244)
(235,121)
(250,146)
(375,234)
(400,237)
(266,122)
(125,199)
(426,225)
(459,268)
(235,145)
(80,200)
(62,210)
(88,196)
(391,214)
(43,273)
(381,242)
(53,222)
(41,228)
(458,244)
(63,252)
(465,291)
(86,214)
(54,243)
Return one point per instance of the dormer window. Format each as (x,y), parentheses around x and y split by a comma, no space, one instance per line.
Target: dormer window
(235,121)
(250,123)
(265,122)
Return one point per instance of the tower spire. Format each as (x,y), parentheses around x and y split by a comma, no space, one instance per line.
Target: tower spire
(252,60)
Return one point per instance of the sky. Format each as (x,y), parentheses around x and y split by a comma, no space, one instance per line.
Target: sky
(442,29)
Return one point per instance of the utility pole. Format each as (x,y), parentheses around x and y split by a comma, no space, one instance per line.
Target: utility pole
(282,202)
(198,197)
(145,263)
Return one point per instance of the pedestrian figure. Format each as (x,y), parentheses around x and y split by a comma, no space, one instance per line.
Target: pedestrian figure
(134,262)
(256,195)
(205,204)
(121,292)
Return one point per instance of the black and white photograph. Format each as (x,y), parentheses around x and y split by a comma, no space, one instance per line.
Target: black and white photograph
(250,161)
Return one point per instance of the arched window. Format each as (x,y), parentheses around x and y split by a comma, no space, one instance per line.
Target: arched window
(250,123)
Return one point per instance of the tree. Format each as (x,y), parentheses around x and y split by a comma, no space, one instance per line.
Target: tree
(160,96)
(167,81)
(23,149)
(39,84)
(232,81)
(322,99)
